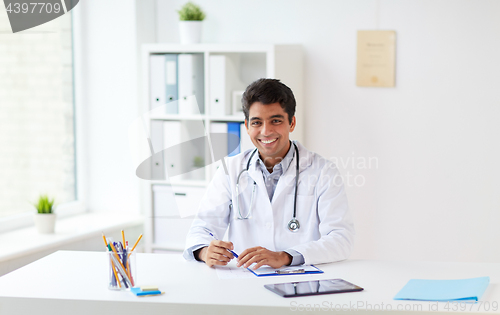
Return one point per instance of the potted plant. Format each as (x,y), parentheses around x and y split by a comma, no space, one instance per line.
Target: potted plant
(45,218)
(190,16)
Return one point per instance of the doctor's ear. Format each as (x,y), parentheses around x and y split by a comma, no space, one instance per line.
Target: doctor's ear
(246,124)
(292,124)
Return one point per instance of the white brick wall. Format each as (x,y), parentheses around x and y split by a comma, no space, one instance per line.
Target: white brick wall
(36,115)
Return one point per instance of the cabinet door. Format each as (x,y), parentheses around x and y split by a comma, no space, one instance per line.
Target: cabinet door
(174,210)
(188,199)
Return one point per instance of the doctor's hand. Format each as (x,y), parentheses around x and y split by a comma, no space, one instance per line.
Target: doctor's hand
(217,253)
(262,256)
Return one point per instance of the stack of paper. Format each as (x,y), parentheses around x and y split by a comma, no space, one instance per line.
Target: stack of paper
(444,290)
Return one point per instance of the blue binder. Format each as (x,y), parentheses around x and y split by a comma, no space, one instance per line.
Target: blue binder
(233,128)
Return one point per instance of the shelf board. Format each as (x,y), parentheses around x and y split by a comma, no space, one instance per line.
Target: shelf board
(178,117)
(227,118)
(198,117)
(209,48)
(184,182)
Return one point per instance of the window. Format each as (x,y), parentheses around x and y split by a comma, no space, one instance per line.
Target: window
(37,139)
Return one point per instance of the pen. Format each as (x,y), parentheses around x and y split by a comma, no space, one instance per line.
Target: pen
(122,272)
(119,265)
(119,247)
(112,265)
(115,280)
(215,238)
(284,272)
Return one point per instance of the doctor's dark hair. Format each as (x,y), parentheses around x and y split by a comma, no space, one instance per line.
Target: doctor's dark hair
(269,91)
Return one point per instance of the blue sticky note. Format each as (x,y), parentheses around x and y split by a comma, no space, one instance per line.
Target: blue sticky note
(444,290)
(137,291)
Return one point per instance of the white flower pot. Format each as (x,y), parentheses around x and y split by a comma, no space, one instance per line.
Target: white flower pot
(45,222)
(190,32)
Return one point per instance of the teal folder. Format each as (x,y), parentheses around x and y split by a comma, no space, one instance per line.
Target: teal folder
(444,290)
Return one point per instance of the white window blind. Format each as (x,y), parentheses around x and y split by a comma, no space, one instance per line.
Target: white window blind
(36,115)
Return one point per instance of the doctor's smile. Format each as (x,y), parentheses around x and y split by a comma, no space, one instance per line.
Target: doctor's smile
(269,127)
(274,210)
(268,141)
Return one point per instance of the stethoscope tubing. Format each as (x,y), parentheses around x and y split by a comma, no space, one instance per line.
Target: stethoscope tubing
(293,224)
(296,183)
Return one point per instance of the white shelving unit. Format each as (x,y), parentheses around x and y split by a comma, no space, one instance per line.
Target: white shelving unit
(181,197)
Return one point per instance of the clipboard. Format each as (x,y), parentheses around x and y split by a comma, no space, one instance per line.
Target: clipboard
(286,271)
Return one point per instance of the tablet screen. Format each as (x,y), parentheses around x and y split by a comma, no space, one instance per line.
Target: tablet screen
(316,287)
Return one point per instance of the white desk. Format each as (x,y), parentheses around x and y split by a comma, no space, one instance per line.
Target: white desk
(68,282)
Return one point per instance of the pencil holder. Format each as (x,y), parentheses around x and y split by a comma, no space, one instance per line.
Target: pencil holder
(122,270)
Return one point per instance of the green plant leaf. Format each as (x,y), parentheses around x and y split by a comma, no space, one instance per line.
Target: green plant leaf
(191,12)
(44,204)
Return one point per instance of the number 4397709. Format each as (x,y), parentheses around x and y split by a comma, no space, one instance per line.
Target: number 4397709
(478,306)
(34,7)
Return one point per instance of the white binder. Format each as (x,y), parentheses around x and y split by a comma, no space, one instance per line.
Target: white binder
(190,83)
(157,84)
(224,79)
(171,84)
(157,166)
(193,135)
(172,138)
(221,128)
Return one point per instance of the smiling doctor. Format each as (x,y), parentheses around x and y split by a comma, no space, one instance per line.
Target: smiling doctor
(280,203)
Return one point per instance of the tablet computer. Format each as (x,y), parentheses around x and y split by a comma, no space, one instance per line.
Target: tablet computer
(316,287)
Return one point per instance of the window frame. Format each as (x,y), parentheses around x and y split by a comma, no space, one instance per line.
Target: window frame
(77,206)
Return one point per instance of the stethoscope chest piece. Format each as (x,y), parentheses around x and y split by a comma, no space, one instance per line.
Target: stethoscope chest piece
(293,225)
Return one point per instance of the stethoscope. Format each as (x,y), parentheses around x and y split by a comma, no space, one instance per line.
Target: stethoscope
(293,224)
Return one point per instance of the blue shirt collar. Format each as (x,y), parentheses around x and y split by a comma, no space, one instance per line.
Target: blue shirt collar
(281,166)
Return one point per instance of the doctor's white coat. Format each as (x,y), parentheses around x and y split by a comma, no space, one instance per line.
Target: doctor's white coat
(326,231)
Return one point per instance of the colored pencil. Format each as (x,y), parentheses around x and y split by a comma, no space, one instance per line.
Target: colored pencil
(104,238)
(123,238)
(137,242)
